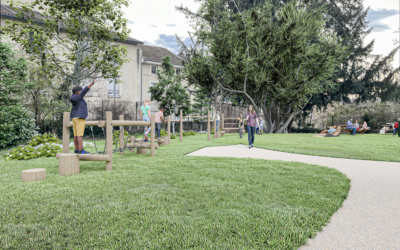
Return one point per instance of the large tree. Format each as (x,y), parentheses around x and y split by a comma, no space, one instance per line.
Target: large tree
(170,92)
(74,39)
(277,56)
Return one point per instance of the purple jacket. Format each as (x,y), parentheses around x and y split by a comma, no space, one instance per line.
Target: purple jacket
(252,119)
(349,124)
(79,106)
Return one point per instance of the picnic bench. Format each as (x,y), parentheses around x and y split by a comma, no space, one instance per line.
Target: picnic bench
(344,129)
(387,127)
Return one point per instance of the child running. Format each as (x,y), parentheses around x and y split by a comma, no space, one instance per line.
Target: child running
(79,114)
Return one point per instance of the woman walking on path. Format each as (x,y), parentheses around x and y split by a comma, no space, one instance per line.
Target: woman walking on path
(251,124)
(144,112)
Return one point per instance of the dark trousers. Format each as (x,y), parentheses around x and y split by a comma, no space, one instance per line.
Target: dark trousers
(251,131)
(241,133)
(158,129)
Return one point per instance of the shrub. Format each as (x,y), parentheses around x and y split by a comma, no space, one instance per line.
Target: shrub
(16,125)
(116,135)
(212,131)
(43,139)
(163,133)
(189,133)
(173,136)
(30,152)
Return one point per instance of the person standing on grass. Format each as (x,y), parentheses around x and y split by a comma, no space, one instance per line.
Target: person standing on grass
(159,116)
(395,127)
(251,124)
(240,127)
(79,114)
(351,127)
(145,112)
(261,125)
(217,118)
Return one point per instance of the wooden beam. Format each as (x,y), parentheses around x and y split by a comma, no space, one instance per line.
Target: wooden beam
(180,125)
(153,136)
(87,123)
(208,126)
(121,135)
(66,133)
(222,122)
(169,129)
(109,139)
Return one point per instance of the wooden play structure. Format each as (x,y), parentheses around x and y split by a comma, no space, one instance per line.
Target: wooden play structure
(334,134)
(181,117)
(69,163)
(223,130)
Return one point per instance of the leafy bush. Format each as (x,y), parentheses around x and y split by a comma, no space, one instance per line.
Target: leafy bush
(173,136)
(16,125)
(43,139)
(212,131)
(189,133)
(163,133)
(30,152)
(374,113)
(116,135)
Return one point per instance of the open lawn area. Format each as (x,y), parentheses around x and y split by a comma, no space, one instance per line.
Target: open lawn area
(175,201)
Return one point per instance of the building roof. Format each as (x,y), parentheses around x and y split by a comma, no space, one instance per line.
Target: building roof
(10,12)
(156,54)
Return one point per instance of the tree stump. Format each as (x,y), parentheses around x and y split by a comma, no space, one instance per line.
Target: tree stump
(218,134)
(165,138)
(142,150)
(36,174)
(68,164)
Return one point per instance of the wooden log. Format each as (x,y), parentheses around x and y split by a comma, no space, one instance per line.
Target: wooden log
(222,122)
(87,123)
(68,164)
(109,139)
(142,150)
(164,140)
(31,175)
(153,136)
(180,125)
(215,128)
(169,129)
(231,128)
(208,126)
(87,157)
(218,134)
(128,145)
(130,123)
(121,135)
(195,117)
(66,133)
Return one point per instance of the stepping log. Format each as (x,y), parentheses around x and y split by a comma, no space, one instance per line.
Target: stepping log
(218,134)
(36,174)
(142,150)
(68,164)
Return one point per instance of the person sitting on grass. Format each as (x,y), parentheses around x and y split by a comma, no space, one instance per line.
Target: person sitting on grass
(350,126)
(395,127)
(79,114)
(159,116)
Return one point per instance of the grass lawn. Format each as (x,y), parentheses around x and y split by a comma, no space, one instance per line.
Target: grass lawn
(172,201)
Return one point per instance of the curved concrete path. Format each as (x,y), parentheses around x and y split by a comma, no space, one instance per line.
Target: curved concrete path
(369,217)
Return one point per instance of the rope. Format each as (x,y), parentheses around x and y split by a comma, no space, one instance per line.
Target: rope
(94,141)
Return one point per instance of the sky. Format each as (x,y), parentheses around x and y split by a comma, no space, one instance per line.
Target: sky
(156,22)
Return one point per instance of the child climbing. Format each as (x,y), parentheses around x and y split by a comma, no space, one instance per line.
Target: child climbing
(79,114)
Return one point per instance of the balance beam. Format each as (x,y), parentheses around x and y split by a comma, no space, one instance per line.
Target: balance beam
(89,157)
(117,123)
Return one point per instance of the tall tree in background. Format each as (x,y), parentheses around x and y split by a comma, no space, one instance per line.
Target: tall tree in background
(170,92)
(276,56)
(201,105)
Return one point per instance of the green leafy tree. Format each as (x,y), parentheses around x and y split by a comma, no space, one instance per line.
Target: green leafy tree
(170,92)
(201,105)
(13,75)
(276,56)
(84,32)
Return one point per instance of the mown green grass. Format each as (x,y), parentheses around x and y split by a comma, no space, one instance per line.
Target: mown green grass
(172,201)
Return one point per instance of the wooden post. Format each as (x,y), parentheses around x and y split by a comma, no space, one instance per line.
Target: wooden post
(169,129)
(181,125)
(30,175)
(68,164)
(66,133)
(222,123)
(109,139)
(153,136)
(132,142)
(215,127)
(121,135)
(208,126)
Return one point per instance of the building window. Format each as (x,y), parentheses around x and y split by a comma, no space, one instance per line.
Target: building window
(154,70)
(111,88)
(178,71)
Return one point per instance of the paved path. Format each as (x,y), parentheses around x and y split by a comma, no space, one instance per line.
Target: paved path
(369,217)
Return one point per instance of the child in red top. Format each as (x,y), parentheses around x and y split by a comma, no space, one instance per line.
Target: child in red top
(395,127)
